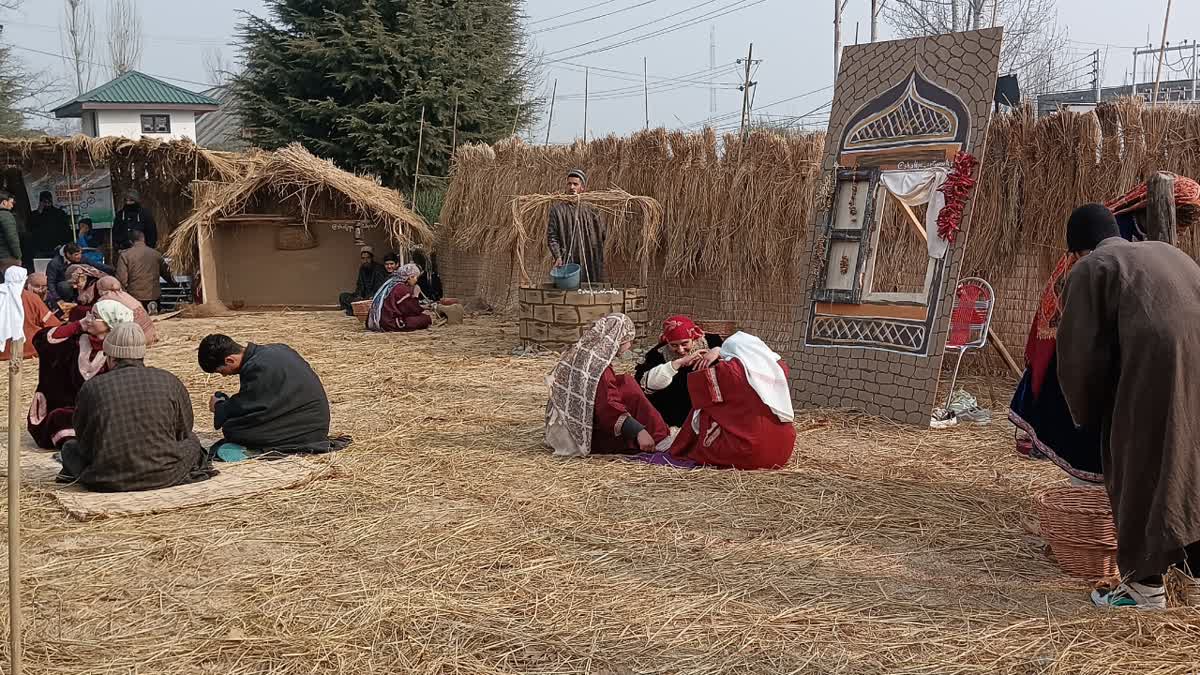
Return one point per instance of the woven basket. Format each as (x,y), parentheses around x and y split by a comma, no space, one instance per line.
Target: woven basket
(294,238)
(361,309)
(718,326)
(1077,522)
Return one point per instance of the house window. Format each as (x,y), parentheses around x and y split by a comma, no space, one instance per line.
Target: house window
(851,215)
(156,124)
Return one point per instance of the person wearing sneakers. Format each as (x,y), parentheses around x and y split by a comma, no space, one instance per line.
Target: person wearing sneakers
(1128,351)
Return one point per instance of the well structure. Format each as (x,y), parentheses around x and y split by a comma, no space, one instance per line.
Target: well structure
(552,318)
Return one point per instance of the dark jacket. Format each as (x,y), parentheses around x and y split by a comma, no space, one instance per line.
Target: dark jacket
(48,230)
(57,281)
(10,236)
(281,405)
(370,278)
(130,218)
(134,432)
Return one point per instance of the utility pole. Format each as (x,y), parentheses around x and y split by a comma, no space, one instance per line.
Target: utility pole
(586,73)
(876,5)
(1193,71)
(1162,54)
(746,85)
(838,7)
(712,67)
(646,89)
(1096,79)
(550,122)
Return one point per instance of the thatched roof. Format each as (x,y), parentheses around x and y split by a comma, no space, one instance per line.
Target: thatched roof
(301,180)
(63,152)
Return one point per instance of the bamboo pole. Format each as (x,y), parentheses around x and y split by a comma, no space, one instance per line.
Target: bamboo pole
(1162,55)
(454,128)
(417,166)
(16,350)
(550,122)
(1004,352)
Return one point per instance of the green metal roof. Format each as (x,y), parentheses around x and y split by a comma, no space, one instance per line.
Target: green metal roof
(134,88)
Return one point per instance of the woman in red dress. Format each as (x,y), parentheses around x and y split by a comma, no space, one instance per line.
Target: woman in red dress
(592,410)
(396,307)
(68,356)
(742,410)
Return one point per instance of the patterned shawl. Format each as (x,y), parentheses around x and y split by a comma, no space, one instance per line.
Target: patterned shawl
(381,295)
(573,383)
(1050,307)
(86,296)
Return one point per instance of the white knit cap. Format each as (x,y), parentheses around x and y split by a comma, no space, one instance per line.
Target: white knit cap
(125,341)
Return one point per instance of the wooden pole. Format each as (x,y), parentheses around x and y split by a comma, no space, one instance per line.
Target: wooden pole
(417,166)
(550,122)
(1160,209)
(586,72)
(1162,54)
(454,128)
(16,350)
(1004,352)
(516,119)
(646,90)
(874,20)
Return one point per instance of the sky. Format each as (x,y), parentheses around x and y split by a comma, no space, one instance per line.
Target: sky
(792,39)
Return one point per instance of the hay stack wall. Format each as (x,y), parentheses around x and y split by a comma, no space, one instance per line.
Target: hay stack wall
(732,239)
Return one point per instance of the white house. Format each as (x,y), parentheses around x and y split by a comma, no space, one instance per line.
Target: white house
(136,105)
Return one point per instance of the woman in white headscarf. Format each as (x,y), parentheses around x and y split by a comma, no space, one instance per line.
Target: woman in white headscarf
(592,410)
(742,416)
(68,356)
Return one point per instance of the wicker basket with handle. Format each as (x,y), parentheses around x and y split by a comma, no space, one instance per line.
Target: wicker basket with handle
(718,326)
(361,309)
(294,238)
(1078,524)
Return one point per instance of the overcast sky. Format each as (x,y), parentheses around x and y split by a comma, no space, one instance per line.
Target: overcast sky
(793,38)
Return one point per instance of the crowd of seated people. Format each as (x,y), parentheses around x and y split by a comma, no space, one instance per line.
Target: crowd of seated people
(695,400)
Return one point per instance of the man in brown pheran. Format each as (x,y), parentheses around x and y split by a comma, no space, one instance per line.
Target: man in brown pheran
(1129,363)
(575,233)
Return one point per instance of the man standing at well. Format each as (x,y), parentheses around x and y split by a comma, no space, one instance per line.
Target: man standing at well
(575,233)
(1128,358)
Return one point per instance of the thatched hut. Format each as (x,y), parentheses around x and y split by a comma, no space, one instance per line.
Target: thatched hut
(160,170)
(287,232)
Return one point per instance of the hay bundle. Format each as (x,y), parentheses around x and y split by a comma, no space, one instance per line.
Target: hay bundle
(633,224)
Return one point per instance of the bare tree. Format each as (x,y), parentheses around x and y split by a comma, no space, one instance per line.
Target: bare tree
(78,30)
(217,66)
(1033,41)
(124,36)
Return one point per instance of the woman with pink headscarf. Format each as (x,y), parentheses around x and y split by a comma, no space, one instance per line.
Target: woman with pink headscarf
(109,288)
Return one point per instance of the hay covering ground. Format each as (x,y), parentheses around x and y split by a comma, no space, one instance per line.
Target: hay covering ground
(454,544)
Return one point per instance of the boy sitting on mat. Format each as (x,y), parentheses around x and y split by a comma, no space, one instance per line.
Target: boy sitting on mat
(281,406)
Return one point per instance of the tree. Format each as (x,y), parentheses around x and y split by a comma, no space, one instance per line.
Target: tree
(78,29)
(1033,42)
(349,79)
(18,86)
(124,36)
(216,66)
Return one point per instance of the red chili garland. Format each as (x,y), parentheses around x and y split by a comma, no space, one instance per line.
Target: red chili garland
(957,189)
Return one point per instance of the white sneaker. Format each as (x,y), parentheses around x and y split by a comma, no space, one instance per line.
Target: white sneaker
(1131,594)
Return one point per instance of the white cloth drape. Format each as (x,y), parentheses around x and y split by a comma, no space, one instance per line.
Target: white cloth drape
(763,372)
(12,309)
(920,186)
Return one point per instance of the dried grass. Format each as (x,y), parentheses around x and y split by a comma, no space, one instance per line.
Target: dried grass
(456,545)
(293,179)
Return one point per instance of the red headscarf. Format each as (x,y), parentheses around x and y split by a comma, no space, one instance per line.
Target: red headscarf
(680,327)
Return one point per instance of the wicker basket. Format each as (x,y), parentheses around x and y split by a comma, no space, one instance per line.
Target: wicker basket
(294,238)
(361,309)
(1077,522)
(718,326)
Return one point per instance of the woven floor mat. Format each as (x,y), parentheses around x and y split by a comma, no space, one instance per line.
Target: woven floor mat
(242,479)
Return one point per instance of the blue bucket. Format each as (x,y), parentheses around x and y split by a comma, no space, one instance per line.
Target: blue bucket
(566,277)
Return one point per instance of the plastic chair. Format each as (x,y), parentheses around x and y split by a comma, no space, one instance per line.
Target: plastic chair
(970,320)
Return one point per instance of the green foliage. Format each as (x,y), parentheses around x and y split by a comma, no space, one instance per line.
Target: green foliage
(348,79)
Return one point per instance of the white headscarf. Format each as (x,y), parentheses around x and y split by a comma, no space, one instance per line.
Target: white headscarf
(763,372)
(12,309)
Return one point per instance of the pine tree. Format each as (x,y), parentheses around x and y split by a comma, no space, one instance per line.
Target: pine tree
(348,79)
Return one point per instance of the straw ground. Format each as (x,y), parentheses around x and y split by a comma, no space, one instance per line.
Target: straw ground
(452,543)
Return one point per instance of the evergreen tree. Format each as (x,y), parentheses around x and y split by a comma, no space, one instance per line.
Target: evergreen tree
(348,79)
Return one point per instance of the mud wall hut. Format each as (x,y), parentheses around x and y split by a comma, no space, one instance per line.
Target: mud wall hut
(287,232)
